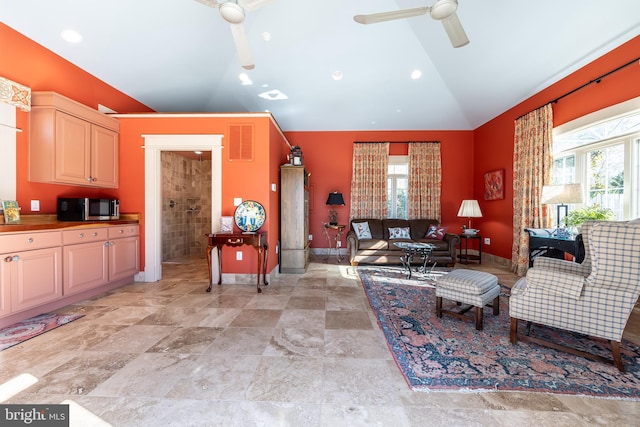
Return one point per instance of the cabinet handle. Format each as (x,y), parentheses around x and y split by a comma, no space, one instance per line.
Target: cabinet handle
(121,231)
(89,179)
(81,235)
(30,240)
(95,234)
(106,244)
(8,259)
(94,179)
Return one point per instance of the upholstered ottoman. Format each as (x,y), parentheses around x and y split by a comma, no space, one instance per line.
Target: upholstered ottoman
(475,288)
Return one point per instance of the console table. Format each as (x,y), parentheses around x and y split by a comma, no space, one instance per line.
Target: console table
(544,242)
(336,240)
(257,240)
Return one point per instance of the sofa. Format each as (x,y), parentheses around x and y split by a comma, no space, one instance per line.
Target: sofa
(377,246)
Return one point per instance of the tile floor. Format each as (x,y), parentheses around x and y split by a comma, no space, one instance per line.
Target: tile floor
(305,352)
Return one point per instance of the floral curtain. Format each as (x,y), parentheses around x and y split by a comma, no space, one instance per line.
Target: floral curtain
(532,162)
(15,94)
(425,177)
(369,180)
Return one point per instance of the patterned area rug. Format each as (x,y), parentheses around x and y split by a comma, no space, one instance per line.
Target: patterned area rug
(29,328)
(450,354)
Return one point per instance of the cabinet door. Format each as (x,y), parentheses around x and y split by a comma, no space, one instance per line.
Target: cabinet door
(36,278)
(73,150)
(124,257)
(104,157)
(85,266)
(5,284)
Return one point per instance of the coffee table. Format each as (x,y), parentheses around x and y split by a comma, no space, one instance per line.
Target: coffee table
(411,249)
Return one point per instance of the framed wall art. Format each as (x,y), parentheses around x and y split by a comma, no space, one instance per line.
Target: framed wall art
(494,185)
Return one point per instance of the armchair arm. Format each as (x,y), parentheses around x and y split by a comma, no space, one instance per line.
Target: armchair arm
(562,284)
(562,266)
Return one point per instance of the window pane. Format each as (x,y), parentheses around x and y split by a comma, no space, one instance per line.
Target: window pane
(402,185)
(606,178)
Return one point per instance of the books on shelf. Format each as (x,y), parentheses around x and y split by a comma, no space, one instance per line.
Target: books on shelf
(11,212)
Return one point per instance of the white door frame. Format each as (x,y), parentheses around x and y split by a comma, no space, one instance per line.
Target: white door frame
(154,145)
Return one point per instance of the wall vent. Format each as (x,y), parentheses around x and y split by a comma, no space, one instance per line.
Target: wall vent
(241,143)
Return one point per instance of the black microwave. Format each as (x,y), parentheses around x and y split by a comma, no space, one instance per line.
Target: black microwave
(87,209)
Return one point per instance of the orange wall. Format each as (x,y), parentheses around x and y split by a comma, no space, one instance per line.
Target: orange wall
(32,65)
(466,155)
(328,157)
(248,180)
(494,140)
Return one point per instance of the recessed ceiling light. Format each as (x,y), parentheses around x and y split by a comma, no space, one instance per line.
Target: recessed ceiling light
(337,75)
(416,74)
(266,36)
(198,152)
(244,78)
(273,95)
(72,36)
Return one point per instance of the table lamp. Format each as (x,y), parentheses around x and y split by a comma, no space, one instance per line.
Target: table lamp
(561,195)
(470,209)
(334,199)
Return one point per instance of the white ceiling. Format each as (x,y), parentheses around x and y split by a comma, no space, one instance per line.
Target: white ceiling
(179,56)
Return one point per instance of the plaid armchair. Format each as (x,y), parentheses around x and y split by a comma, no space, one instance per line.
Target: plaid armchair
(597,305)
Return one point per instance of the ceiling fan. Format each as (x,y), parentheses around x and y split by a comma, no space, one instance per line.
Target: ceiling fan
(442,10)
(233,13)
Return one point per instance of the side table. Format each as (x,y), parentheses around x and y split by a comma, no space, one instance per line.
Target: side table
(257,240)
(336,240)
(466,256)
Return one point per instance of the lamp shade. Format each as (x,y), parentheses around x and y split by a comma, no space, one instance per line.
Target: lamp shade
(335,199)
(470,209)
(561,194)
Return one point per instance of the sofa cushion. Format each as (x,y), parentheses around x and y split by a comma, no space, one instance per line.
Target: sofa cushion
(377,244)
(399,233)
(435,232)
(362,230)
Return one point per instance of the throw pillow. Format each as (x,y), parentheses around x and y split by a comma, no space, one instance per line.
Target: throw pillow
(399,233)
(362,230)
(436,232)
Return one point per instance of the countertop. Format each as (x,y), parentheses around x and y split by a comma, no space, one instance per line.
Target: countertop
(50,222)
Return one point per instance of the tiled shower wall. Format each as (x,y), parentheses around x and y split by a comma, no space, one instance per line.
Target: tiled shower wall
(186,207)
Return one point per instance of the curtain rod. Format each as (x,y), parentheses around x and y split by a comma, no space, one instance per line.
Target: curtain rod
(596,80)
(393,142)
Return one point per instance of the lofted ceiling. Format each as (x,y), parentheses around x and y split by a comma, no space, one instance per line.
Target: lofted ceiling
(179,56)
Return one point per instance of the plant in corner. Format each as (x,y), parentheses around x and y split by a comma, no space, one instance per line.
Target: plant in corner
(576,217)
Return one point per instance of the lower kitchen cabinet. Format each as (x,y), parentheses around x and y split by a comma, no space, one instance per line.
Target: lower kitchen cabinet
(45,270)
(85,267)
(29,279)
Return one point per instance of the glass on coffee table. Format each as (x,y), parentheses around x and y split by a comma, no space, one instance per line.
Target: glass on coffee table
(413,249)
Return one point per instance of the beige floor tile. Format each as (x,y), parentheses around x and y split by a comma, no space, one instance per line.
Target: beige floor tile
(307,351)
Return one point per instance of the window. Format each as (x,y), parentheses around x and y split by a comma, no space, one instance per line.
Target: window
(397,186)
(604,156)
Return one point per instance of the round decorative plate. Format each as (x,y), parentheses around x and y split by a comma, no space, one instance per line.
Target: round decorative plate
(249,216)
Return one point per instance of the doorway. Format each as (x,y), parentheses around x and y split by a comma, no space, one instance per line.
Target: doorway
(186,205)
(154,146)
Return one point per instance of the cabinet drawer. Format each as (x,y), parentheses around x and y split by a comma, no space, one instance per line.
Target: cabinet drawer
(27,241)
(124,231)
(84,235)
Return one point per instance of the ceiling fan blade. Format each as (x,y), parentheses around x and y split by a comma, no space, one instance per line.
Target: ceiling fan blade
(389,16)
(454,30)
(210,3)
(251,5)
(242,46)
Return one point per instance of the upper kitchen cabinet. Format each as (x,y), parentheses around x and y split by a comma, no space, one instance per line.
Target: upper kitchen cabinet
(70,143)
